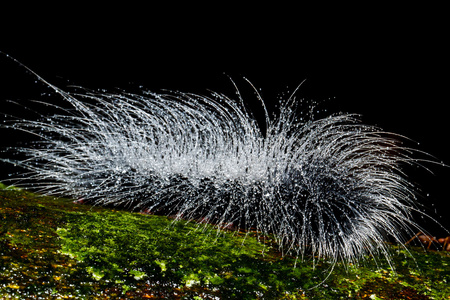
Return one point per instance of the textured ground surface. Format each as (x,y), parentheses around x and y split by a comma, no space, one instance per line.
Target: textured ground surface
(51,248)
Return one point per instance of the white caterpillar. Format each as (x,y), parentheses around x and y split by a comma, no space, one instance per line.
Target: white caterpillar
(331,187)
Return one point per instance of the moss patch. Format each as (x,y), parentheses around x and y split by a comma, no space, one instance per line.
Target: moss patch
(53,248)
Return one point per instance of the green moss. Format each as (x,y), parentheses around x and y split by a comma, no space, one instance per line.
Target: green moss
(54,248)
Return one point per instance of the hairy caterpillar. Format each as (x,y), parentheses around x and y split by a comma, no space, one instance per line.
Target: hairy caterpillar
(332,187)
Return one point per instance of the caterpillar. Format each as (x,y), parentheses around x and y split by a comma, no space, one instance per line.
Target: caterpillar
(331,187)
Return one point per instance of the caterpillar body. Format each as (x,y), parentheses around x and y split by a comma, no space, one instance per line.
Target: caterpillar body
(331,187)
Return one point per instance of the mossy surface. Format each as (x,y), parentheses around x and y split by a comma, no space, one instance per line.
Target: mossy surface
(54,249)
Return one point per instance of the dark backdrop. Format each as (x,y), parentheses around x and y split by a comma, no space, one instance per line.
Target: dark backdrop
(396,76)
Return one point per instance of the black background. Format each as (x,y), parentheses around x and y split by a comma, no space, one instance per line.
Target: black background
(392,68)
